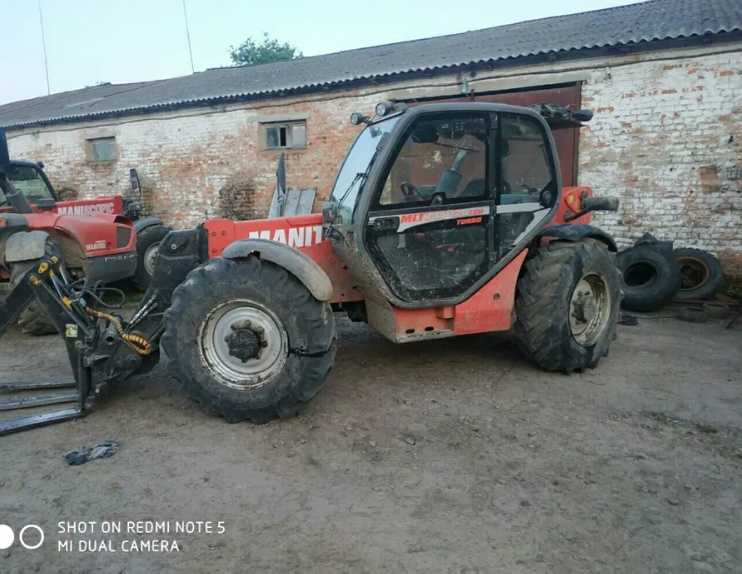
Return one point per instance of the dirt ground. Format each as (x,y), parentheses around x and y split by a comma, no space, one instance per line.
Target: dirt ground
(449,456)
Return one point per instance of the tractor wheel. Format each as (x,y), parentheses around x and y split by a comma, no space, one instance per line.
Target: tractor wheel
(700,273)
(148,242)
(247,340)
(567,305)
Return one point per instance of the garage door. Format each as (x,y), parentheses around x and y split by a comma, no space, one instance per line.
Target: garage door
(566,139)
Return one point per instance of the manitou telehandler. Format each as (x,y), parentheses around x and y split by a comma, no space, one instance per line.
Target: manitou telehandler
(105,238)
(444,220)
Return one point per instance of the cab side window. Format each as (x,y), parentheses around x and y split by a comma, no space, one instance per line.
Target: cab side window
(524,158)
(443,160)
(528,185)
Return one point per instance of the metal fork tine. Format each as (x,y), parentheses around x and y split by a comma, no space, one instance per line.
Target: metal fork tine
(13,425)
(33,386)
(38,401)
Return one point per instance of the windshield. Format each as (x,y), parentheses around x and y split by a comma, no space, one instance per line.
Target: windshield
(27,180)
(356,166)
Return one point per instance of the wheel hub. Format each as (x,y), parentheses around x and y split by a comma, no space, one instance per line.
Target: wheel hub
(589,309)
(243,343)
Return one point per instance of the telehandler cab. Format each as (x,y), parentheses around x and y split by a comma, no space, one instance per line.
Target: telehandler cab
(444,220)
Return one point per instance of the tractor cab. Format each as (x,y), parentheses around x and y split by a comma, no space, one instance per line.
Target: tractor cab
(29,179)
(432,201)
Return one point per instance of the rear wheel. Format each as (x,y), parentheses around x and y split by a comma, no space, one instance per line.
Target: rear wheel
(567,305)
(247,339)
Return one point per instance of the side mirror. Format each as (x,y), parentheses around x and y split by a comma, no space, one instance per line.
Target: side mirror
(4,156)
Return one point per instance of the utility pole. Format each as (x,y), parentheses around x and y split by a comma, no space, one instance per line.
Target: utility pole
(43,47)
(188,36)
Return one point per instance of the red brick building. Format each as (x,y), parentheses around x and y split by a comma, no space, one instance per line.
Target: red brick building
(664,79)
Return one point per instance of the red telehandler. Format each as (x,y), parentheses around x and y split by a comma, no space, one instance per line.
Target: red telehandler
(444,220)
(105,238)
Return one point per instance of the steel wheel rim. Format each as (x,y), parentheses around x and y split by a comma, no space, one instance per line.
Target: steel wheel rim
(150,258)
(694,273)
(589,309)
(233,331)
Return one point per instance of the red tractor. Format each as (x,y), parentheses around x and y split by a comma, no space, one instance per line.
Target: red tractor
(104,239)
(444,220)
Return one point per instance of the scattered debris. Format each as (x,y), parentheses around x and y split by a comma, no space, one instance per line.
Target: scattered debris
(105,449)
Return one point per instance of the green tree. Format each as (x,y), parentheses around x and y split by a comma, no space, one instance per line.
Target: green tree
(251,52)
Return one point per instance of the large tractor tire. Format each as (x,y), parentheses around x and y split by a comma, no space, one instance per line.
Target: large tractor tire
(247,340)
(148,243)
(651,277)
(700,273)
(567,305)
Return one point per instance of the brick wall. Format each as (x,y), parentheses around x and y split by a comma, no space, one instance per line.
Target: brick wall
(187,161)
(666,138)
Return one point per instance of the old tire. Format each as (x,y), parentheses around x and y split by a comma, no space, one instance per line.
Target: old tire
(34,320)
(148,242)
(567,305)
(700,273)
(650,278)
(247,340)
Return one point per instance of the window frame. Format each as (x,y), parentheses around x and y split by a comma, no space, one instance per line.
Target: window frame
(287,124)
(90,152)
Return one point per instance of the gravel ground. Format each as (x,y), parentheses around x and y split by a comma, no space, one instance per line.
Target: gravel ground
(448,456)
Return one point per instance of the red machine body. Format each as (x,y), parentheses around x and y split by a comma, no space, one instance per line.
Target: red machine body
(489,309)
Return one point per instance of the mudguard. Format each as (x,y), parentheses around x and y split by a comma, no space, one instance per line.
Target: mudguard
(25,246)
(144,222)
(294,261)
(576,232)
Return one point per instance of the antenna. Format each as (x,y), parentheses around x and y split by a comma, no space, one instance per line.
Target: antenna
(43,47)
(188,36)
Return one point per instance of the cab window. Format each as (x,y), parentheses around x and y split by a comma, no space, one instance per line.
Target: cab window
(442,160)
(528,186)
(28,181)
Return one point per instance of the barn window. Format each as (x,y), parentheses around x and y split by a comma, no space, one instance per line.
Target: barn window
(102,149)
(284,135)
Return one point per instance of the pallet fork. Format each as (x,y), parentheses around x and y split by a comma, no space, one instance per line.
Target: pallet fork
(102,347)
(19,395)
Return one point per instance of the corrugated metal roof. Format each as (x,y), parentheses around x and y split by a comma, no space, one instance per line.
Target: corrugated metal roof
(612,27)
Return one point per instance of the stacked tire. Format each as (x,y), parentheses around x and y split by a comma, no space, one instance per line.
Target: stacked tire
(654,274)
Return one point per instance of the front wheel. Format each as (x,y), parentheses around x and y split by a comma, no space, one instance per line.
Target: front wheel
(247,340)
(567,305)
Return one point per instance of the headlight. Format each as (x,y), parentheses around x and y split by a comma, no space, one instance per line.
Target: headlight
(383,108)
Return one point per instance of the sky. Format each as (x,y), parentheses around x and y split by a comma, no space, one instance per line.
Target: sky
(119,41)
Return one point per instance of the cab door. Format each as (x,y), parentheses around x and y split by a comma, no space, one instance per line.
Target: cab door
(430,227)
